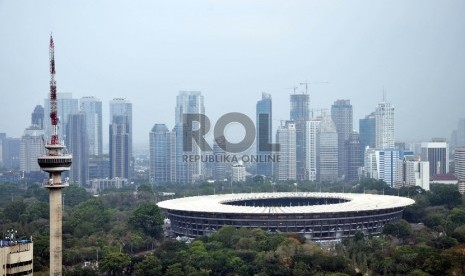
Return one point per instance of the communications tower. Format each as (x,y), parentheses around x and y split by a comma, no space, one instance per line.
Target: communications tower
(55,161)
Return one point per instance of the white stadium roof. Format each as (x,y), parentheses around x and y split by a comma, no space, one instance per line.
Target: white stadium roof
(215,203)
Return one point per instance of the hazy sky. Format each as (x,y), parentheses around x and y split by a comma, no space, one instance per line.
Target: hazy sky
(232,51)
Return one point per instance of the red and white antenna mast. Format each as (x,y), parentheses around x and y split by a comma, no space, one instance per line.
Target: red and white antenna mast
(53,96)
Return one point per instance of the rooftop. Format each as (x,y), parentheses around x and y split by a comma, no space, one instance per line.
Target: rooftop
(349,203)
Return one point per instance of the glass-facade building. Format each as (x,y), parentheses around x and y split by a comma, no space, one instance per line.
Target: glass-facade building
(342,116)
(162,153)
(92,108)
(120,136)
(300,114)
(264,129)
(367,132)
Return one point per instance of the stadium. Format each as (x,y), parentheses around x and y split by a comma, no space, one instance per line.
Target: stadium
(317,216)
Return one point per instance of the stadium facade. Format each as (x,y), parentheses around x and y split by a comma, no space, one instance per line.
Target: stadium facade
(317,216)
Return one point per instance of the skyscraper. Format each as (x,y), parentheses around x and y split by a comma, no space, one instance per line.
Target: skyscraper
(384,116)
(187,102)
(10,152)
(32,145)
(220,169)
(460,136)
(437,153)
(66,105)
(300,114)
(162,155)
(120,157)
(382,164)
(459,160)
(353,157)
(327,151)
(286,137)
(342,116)
(37,117)
(120,138)
(264,133)
(312,131)
(76,139)
(411,171)
(367,128)
(92,108)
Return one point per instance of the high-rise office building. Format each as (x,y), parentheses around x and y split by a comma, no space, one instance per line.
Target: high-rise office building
(37,116)
(312,130)
(162,155)
(386,162)
(327,151)
(120,157)
(460,133)
(92,108)
(66,106)
(2,137)
(99,167)
(286,137)
(411,171)
(342,116)
(238,172)
(353,157)
(437,154)
(10,148)
(300,114)
(120,138)
(31,146)
(220,169)
(384,116)
(76,141)
(187,102)
(367,129)
(264,133)
(459,160)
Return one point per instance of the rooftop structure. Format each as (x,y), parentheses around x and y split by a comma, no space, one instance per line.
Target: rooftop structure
(319,216)
(15,255)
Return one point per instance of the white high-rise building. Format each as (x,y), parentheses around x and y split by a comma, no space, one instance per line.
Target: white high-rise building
(382,164)
(312,130)
(371,163)
(31,146)
(459,160)
(92,109)
(327,151)
(411,171)
(384,116)
(286,137)
(238,172)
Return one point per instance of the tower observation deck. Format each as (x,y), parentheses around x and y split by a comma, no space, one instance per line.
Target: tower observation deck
(55,161)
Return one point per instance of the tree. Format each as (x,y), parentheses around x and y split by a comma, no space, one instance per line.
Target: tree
(151,265)
(115,263)
(147,218)
(73,195)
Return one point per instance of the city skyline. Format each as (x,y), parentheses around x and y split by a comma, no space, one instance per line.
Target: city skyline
(343,50)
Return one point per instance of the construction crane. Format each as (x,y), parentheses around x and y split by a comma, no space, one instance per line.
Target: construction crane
(307,83)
